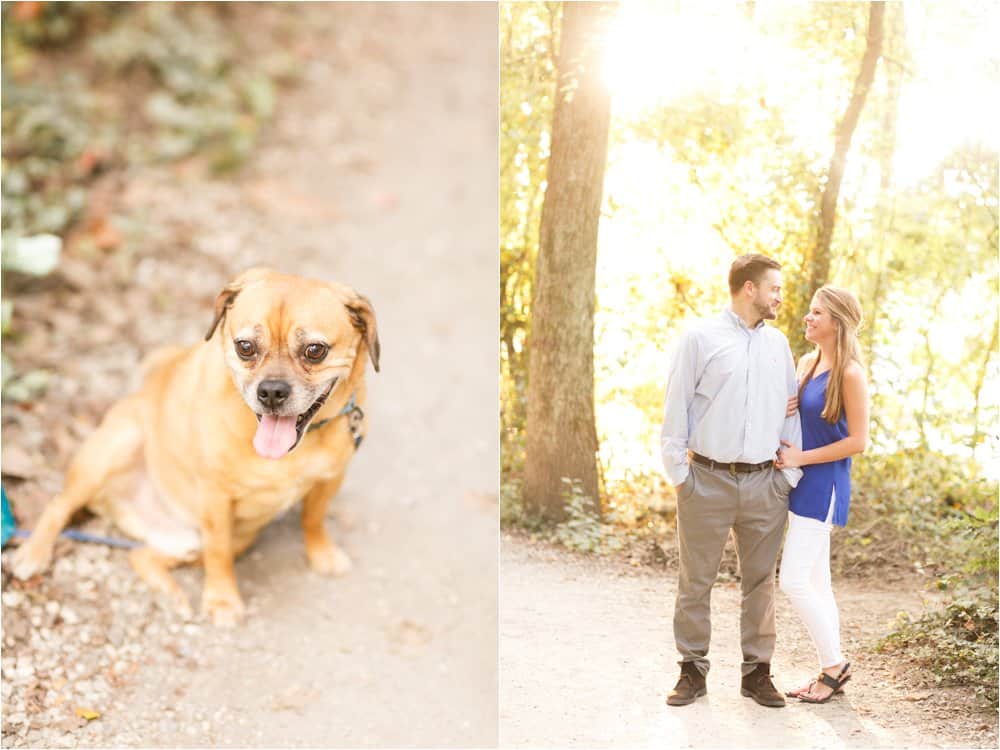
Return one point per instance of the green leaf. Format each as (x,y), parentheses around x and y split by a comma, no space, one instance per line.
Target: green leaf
(28,387)
(37,255)
(259,93)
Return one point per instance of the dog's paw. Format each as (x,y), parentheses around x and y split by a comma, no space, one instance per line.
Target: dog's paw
(30,560)
(329,559)
(225,610)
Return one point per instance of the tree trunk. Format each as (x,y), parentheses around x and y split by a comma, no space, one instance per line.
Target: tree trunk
(921,416)
(561,432)
(885,210)
(819,268)
(978,388)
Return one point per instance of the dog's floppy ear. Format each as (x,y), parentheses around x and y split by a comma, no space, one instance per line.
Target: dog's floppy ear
(228,294)
(222,304)
(363,317)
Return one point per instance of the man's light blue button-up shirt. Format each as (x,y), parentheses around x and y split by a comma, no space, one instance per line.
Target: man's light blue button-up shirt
(727,392)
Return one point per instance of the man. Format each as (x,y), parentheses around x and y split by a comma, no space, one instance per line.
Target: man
(728,388)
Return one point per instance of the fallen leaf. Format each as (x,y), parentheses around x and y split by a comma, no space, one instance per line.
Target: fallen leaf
(90,159)
(28,10)
(103,234)
(88,714)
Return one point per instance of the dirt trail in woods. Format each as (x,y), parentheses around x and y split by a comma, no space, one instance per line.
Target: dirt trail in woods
(378,171)
(587,658)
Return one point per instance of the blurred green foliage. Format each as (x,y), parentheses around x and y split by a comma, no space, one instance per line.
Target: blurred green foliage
(918,508)
(46,131)
(50,24)
(91,88)
(207,99)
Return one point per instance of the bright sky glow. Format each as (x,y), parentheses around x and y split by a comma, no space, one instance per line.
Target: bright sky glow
(659,52)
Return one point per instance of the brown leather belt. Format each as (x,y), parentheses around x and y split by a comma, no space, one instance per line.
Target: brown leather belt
(734,467)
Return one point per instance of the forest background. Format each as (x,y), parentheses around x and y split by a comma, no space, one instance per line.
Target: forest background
(729,127)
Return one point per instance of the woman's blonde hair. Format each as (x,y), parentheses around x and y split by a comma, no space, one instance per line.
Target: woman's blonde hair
(845,310)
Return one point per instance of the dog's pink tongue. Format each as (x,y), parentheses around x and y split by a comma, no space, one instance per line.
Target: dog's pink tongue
(275,436)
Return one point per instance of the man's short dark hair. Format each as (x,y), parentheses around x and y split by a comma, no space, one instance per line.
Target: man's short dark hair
(751,267)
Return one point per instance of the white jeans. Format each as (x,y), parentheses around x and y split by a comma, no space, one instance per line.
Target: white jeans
(805,579)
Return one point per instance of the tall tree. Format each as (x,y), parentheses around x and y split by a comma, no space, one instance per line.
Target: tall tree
(977,388)
(819,266)
(895,67)
(529,40)
(816,256)
(561,432)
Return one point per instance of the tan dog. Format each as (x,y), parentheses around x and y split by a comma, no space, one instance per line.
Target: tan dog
(223,436)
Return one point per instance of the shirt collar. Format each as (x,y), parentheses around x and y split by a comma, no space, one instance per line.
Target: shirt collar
(736,320)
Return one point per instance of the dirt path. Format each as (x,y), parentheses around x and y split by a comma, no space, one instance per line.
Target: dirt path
(587,658)
(380,171)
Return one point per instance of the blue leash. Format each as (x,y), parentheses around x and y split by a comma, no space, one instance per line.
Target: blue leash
(10,529)
(82,536)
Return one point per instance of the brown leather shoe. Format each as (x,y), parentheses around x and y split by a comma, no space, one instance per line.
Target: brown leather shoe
(758,685)
(690,686)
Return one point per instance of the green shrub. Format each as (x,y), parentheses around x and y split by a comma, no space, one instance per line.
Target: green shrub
(957,646)
(904,510)
(584,530)
(939,515)
(512,510)
(49,24)
(170,77)
(207,100)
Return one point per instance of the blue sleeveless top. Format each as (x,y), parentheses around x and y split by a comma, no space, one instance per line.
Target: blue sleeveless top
(811,497)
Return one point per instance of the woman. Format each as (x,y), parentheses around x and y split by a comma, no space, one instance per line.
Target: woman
(833,407)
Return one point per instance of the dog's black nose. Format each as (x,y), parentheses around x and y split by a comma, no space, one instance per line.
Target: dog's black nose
(273,393)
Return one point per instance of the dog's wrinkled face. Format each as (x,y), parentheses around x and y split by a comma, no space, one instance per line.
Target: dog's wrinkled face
(288,343)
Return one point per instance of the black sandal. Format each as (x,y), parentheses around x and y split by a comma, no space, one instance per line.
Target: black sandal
(836,683)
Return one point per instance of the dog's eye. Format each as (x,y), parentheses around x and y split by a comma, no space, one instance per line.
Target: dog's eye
(245,349)
(316,352)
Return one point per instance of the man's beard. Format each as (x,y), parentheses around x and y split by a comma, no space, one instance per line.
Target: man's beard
(764,310)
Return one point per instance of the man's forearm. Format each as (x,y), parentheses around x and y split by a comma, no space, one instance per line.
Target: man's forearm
(675,462)
(791,431)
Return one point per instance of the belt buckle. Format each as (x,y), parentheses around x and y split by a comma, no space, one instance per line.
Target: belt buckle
(732,470)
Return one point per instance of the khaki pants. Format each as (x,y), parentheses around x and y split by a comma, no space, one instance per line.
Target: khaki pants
(755,507)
